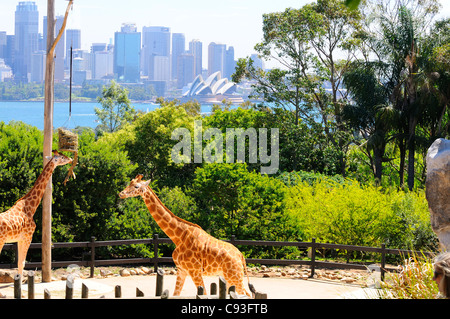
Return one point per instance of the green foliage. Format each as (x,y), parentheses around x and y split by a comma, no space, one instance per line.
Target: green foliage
(85,205)
(20,161)
(350,213)
(233,201)
(152,145)
(116,108)
(413,281)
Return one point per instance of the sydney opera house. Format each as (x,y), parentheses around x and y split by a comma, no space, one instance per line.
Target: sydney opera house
(214,88)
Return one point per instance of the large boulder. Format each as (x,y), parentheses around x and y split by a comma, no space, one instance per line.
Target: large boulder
(438,189)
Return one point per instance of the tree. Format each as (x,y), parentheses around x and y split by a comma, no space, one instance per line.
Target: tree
(116,108)
(403,26)
(152,144)
(314,45)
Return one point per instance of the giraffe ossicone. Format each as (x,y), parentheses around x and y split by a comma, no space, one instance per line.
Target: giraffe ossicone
(17,224)
(197,253)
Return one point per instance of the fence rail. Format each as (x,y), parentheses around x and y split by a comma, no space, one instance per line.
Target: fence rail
(156,241)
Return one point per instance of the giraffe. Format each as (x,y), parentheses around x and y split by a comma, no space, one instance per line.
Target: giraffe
(197,253)
(17,224)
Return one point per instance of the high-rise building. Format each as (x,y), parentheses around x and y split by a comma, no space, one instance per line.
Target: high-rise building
(230,64)
(185,69)
(155,42)
(26,38)
(73,40)
(178,48)
(127,47)
(216,58)
(59,50)
(221,59)
(38,67)
(3,43)
(257,61)
(161,68)
(102,60)
(196,48)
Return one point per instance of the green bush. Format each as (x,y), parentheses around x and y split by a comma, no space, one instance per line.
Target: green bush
(354,214)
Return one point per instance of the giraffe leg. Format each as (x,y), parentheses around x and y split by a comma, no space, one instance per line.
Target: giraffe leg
(197,279)
(234,276)
(181,276)
(23,246)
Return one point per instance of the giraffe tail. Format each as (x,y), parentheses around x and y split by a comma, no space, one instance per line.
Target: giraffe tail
(250,286)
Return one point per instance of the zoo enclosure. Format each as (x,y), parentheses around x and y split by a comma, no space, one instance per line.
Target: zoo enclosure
(156,241)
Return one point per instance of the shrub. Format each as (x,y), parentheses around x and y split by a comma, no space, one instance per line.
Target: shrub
(354,214)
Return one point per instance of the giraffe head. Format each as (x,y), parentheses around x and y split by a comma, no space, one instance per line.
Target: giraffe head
(135,188)
(60,159)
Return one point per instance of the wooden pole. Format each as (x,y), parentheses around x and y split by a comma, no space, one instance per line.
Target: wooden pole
(48,138)
(48,135)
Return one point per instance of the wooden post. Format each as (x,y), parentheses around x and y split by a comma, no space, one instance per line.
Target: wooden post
(155,252)
(69,287)
(383,261)
(159,282)
(92,257)
(48,139)
(313,257)
(18,286)
(139,293)
(47,294)
(222,288)
(200,290)
(165,294)
(118,291)
(30,285)
(213,289)
(48,134)
(84,291)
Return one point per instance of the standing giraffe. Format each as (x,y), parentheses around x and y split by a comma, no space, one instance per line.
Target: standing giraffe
(197,253)
(17,224)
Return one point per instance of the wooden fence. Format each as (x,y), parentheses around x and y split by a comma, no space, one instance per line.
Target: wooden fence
(156,241)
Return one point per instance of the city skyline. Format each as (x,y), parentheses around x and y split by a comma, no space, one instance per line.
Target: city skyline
(235,23)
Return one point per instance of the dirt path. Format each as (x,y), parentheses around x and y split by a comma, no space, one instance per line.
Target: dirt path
(276,288)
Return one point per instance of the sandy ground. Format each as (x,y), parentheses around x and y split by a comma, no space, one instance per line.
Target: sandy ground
(276,288)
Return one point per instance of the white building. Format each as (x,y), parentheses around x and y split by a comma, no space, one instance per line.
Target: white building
(103,64)
(5,71)
(161,68)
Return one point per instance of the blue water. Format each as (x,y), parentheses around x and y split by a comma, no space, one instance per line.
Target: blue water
(82,113)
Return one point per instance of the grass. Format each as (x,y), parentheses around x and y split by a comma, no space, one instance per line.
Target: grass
(413,281)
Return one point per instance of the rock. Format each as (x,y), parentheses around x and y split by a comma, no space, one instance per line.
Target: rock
(348,280)
(146,270)
(105,273)
(125,273)
(7,276)
(438,189)
(139,271)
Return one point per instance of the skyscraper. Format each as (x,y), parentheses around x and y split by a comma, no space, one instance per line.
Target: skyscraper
(73,39)
(196,48)
(26,38)
(230,64)
(127,47)
(178,48)
(216,58)
(155,42)
(185,69)
(60,48)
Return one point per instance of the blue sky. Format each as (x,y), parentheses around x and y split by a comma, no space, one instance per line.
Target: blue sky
(233,22)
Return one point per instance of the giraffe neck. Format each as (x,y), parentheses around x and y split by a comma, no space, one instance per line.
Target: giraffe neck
(34,196)
(173,226)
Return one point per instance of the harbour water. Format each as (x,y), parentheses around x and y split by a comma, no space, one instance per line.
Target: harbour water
(82,114)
